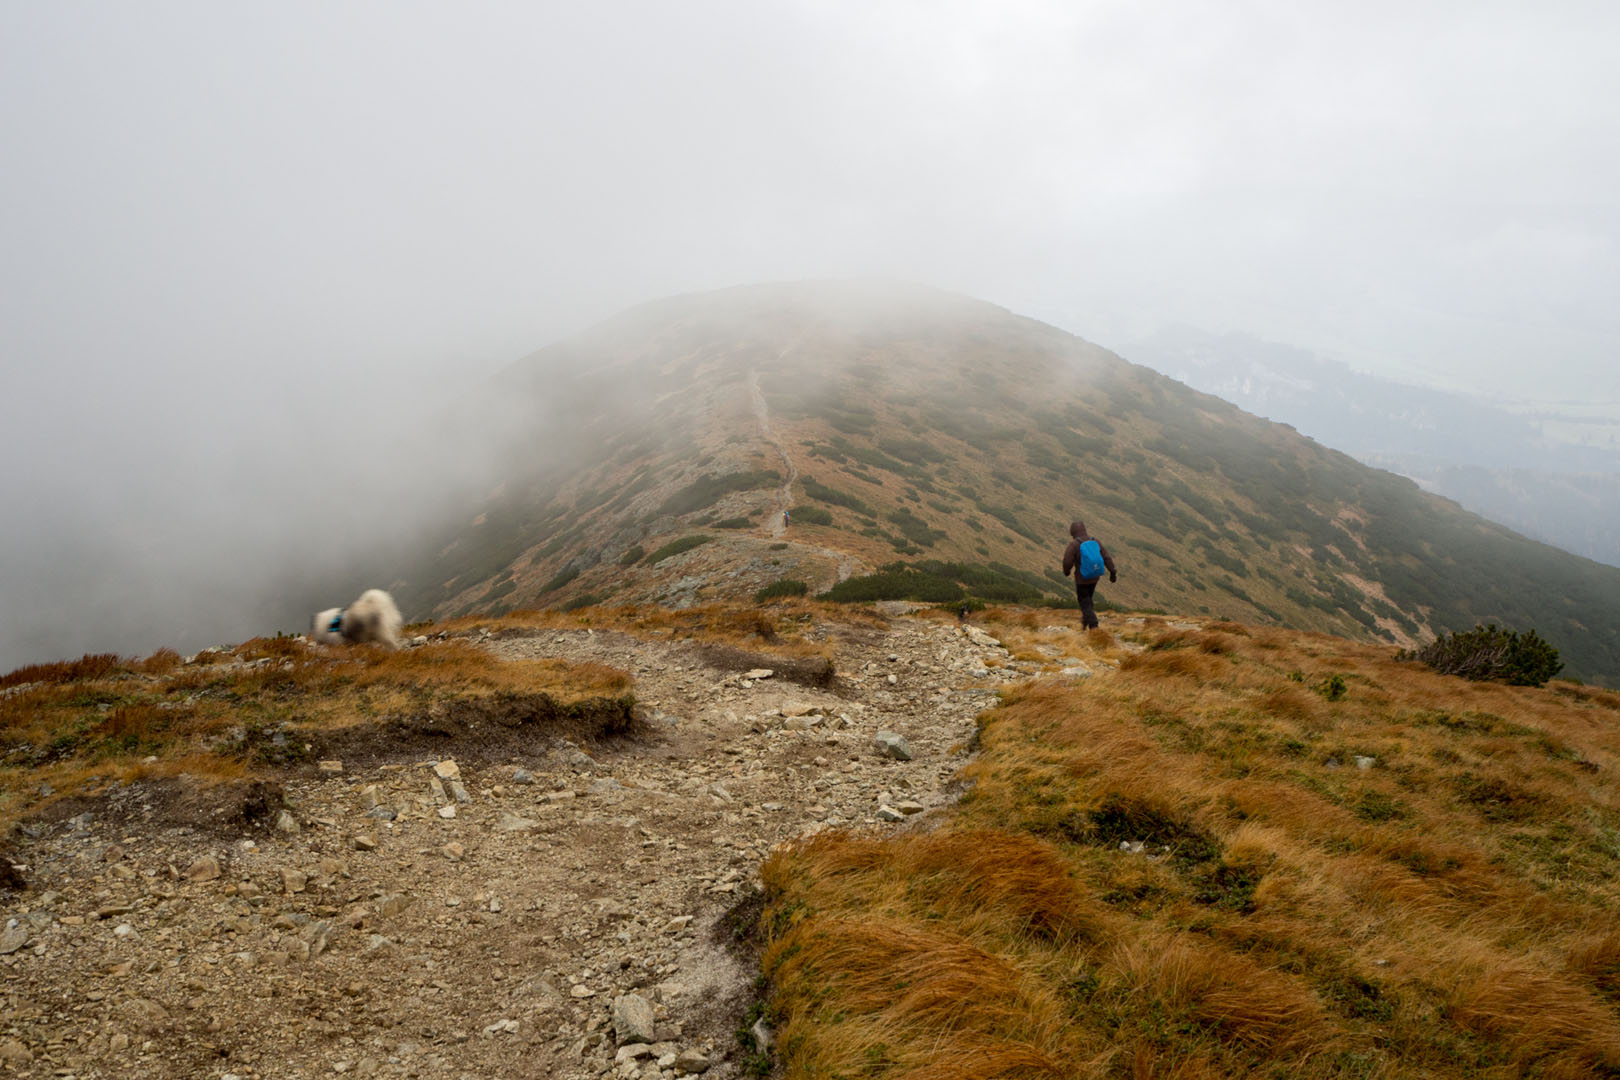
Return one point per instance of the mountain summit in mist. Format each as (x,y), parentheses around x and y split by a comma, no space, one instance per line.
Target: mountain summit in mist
(906,425)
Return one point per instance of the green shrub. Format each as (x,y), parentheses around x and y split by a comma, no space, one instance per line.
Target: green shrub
(1333,688)
(776,589)
(706,490)
(823,493)
(915,529)
(1486,652)
(811,515)
(902,584)
(632,555)
(735,523)
(589,599)
(560,580)
(675,547)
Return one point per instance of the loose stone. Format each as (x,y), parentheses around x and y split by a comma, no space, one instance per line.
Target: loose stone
(633,1020)
(203,869)
(893,744)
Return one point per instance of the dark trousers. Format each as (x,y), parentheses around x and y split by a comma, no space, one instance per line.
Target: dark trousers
(1083,591)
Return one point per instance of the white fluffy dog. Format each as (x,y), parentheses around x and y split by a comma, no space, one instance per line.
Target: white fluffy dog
(373,617)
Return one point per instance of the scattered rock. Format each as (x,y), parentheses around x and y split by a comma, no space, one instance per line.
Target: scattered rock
(330,767)
(14,937)
(510,822)
(365,842)
(889,813)
(447,770)
(144,1014)
(453,851)
(893,744)
(286,823)
(392,904)
(633,1020)
(632,1052)
(691,1062)
(205,868)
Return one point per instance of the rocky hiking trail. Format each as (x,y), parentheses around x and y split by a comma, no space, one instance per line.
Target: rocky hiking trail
(499,908)
(776,527)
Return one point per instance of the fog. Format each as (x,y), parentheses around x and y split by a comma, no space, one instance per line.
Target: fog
(248,251)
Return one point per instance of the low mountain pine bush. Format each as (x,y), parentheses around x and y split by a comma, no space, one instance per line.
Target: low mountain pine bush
(676,547)
(782,588)
(1486,652)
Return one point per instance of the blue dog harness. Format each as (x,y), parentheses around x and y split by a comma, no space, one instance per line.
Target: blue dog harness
(337,623)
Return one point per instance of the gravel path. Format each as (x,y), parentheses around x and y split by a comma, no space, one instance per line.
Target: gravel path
(556,914)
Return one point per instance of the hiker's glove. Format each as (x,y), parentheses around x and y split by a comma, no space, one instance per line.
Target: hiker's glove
(1112,577)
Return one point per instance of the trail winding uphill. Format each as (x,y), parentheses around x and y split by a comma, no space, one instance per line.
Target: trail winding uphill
(778,526)
(790,471)
(510,905)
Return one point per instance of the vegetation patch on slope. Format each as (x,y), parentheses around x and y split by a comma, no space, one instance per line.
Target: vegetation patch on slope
(676,547)
(707,490)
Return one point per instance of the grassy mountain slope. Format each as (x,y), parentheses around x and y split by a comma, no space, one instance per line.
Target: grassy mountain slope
(916,426)
(1251,852)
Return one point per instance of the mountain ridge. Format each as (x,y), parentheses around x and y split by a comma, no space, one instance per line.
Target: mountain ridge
(919,427)
(1535,470)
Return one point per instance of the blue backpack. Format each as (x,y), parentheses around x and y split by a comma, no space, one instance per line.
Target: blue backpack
(1091,561)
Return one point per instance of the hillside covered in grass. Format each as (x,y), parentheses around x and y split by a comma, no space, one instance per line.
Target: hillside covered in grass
(1249,853)
(950,442)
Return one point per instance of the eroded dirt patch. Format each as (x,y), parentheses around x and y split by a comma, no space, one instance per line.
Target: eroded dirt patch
(815,671)
(494,727)
(220,807)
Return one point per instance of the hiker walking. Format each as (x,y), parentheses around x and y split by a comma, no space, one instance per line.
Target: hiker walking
(785,518)
(1087,558)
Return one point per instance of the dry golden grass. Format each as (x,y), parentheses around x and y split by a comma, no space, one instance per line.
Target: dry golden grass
(78,727)
(62,671)
(1350,866)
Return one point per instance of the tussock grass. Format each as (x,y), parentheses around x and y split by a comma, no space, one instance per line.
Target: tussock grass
(62,671)
(1396,874)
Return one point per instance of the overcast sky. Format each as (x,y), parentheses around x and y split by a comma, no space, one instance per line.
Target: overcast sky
(222,226)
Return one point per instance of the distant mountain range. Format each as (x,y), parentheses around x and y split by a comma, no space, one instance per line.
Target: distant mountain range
(1511,467)
(933,445)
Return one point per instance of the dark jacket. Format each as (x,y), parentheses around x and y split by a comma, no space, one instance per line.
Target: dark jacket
(1071,554)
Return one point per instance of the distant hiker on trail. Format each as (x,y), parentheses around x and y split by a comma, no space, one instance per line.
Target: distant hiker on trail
(784,518)
(1087,558)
